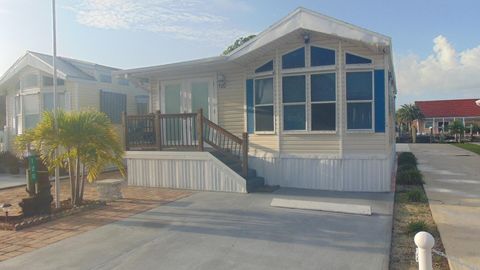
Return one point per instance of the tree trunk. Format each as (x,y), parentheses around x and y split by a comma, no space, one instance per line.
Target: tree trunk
(82,184)
(72,180)
(77,179)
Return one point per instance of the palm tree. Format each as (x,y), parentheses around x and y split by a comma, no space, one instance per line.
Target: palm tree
(87,140)
(406,115)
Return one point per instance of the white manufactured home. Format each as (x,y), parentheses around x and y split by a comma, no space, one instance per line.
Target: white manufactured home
(307,103)
(28,90)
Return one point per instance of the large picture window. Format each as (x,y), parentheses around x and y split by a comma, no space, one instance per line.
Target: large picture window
(264,105)
(323,100)
(359,100)
(31,110)
(294,102)
(48,101)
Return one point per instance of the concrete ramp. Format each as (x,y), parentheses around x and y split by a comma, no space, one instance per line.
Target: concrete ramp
(323,206)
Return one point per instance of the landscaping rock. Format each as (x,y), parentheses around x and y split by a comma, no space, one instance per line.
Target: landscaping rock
(109,189)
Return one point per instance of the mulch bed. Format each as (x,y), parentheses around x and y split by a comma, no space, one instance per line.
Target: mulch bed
(19,222)
(402,252)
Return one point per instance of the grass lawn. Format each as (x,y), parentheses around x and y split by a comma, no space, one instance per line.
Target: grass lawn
(469,146)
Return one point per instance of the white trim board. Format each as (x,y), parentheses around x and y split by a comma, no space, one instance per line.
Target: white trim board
(323,206)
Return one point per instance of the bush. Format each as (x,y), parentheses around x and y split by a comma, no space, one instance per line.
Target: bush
(406,167)
(409,177)
(407,158)
(416,195)
(9,163)
(414,227)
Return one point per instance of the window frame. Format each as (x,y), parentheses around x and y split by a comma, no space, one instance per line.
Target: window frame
(264,105)
(372,101)
(308,71)
(305,103)
(324,102)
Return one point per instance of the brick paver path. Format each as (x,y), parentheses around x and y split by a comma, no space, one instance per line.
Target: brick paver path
(136,200)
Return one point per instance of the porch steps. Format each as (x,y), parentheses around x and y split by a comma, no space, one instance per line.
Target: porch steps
(254,182)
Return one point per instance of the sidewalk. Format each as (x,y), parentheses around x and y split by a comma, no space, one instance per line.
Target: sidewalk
(136,200)
(452,177)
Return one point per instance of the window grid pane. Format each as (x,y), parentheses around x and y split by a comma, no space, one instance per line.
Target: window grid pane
(324,116)
(264,118)
(294,117)
(293,89)
(359,115)
(359,85)
(264,91)
(323,87)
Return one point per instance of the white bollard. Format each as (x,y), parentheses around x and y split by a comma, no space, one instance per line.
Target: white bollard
(424,242)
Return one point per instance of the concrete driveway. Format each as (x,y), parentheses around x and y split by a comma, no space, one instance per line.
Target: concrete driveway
(230,231)
(452,177)
(10,180)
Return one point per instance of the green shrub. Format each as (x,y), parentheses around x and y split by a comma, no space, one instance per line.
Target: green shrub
(414,227)
(407,158)
(9,163)
(406,167)
(416,195)
(409,177)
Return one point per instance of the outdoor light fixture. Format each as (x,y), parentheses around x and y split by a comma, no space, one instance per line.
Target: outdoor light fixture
(478,103)
(5,207)
(221,80)
(306,38)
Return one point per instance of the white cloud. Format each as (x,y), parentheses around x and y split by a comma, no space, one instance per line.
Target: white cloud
(188,19)
(445,73)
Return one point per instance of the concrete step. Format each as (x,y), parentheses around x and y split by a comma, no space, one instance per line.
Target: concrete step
(254,182)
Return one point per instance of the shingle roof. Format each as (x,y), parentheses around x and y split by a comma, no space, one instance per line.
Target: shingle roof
(449,108)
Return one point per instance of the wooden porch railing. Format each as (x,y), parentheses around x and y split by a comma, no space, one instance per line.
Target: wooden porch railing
(183,132)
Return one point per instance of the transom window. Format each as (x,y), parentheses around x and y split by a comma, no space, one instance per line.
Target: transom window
(294,59)
(360,100)
(265,68)
(263,100)
(321,56)
(352,59)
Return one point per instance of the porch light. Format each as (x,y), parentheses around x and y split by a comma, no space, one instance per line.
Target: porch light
(221,80)
(306,38)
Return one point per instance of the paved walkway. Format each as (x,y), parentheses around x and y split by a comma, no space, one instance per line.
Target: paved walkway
(230,231)
(452,177)
(10,180)
(136,200)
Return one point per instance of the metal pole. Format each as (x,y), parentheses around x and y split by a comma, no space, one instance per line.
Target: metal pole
(57,170)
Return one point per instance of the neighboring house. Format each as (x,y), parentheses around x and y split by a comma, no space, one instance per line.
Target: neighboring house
(28,89)
(438,114)
(315,94)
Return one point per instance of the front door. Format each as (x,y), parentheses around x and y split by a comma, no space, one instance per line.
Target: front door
(188,96)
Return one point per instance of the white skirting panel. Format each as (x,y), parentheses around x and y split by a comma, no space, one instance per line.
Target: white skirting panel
(184,170)
(359,173)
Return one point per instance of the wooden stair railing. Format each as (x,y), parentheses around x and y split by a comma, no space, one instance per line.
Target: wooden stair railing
(184,131)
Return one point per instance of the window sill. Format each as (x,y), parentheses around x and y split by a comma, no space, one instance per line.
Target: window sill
(264,133)
(312,132)
(361,131)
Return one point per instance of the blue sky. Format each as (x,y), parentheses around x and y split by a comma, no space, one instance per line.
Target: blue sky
(436,43)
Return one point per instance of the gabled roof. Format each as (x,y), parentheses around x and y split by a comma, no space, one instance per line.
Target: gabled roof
(308,20)
(449,108)
(66,67)
(299,19)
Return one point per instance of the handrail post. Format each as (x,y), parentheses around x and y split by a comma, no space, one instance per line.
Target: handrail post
(158,130)
(245,154)
(125,129)
(200,129)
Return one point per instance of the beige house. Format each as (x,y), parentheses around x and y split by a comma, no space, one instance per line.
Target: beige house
(27,87)
(314,95)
